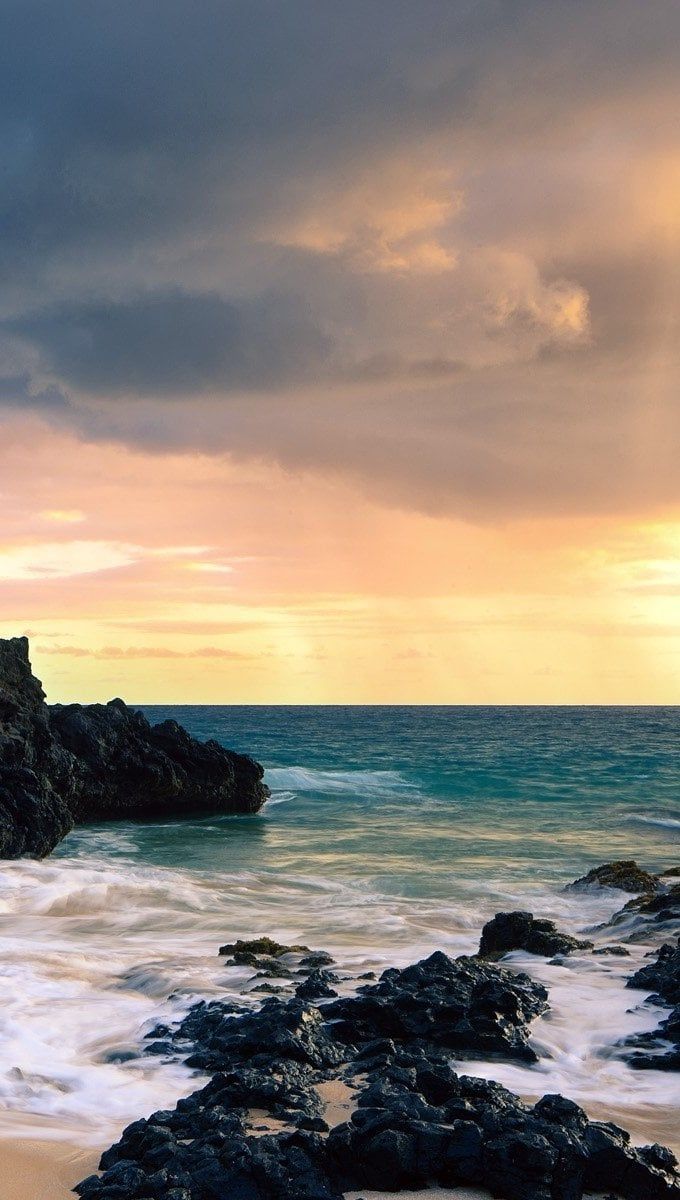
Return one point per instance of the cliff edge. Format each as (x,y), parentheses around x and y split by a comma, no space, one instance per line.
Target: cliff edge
(64,765)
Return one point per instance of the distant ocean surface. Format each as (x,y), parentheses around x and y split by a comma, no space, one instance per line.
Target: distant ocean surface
(391,832)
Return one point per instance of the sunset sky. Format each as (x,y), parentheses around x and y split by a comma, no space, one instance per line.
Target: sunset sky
(339,349)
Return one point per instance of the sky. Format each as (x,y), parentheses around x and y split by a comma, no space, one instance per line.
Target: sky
(339,349)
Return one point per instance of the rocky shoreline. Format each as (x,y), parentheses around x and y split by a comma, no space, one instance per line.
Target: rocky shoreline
(392,1050)
(336,1085)
(64,765)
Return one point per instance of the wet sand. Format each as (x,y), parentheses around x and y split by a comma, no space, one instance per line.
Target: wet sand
(43,1170)
(435,1193)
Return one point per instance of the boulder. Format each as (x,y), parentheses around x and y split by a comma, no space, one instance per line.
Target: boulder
(662,976)
(659,1050)
(662,908)
(68,764)
(475,1010)
(625,875)
(522,931)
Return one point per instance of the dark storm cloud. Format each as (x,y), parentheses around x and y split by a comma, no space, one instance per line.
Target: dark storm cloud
(16,393)
(126,119)
(177,343)
(200,200)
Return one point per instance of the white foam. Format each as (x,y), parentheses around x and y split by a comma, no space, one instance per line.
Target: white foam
(91,946)
(651,819)
(590,1011)
(305,779)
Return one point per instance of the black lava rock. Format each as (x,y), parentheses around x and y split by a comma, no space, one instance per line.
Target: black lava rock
(62,765)
(661,976)
(475,1010)
(416,1122)
(522,931)
(659,1050)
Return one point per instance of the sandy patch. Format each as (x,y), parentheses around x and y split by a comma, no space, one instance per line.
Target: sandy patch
(339,1101)
(434,1193)
(43,1170)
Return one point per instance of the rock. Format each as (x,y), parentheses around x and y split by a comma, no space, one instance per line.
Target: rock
(317,986)
(126,768)
(664,907)
(257,947)
(63,765)
(475,1010)
(661,976)
(417,1122)
(36,785)
(522,931)
(615,951)
(651,1051)
(624,874)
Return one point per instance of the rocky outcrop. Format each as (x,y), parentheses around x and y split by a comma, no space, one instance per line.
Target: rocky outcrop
(260,1129)
(662,977)
(36,784)
(662,908)
(522,931)
(659,1050)
(64,765)
(625,875)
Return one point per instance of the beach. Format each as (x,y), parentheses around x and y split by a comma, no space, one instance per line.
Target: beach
(388,835)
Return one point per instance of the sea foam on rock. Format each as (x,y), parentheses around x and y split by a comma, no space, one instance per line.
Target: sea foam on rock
(63,765)
(659,1049)
(416,1122)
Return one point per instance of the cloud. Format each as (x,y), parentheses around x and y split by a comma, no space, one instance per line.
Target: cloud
(134,652)
(59,560)
(176,343)
(430,248)
(17,392)
(46,561)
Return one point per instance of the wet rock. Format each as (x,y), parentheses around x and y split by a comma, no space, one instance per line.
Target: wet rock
(317,986)
(259,947)
(614,951)
(659,1049)
(279,1029)
(522,931)
(624,874)
(662,908)
(417,1122)
(474,1009)
(662,976)
(62,765)
(317,959)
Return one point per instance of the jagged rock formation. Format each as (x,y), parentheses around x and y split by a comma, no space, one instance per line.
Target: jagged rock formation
(260,1129)
(523,931)
(660,1049)
(624,874)
(64,765)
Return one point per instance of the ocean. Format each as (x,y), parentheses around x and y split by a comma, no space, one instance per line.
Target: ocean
(391,832)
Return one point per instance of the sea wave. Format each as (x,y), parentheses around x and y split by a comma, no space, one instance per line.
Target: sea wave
(305,779)
(652,819)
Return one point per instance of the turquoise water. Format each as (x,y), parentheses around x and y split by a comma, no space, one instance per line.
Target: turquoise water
(391,832)
(409,797)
